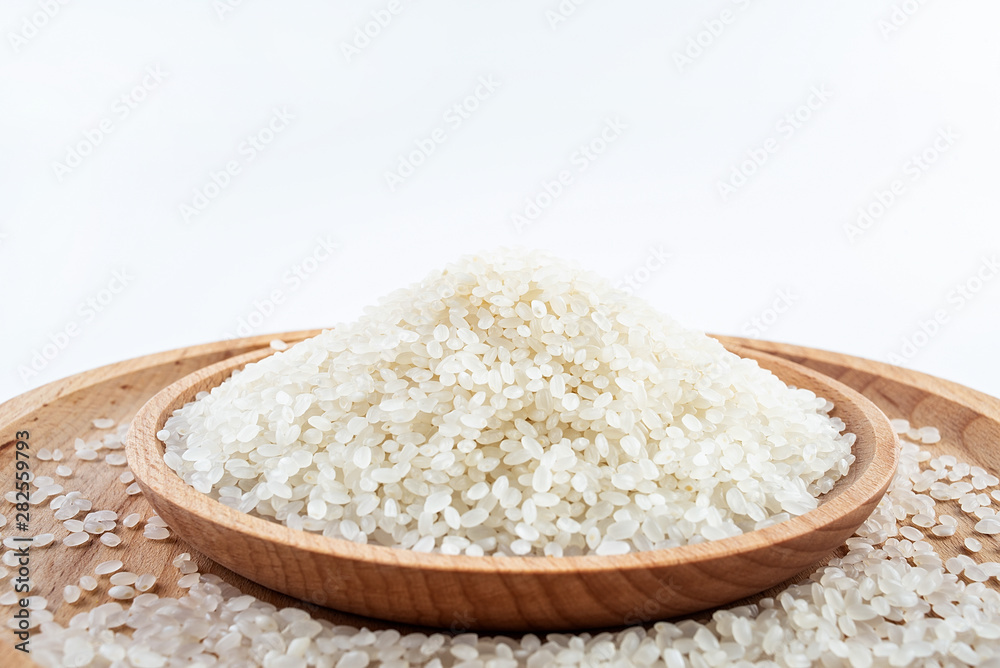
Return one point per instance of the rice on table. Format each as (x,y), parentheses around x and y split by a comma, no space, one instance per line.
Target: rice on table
(511,404)
(894,598)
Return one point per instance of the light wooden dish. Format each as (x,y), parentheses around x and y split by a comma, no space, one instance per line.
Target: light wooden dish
(524,592)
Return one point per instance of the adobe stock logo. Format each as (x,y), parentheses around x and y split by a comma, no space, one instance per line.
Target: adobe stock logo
(632,281)
(883,200)
(87,312)
(958,298)
(224,8)
(323,249)
(249,149)
(32,25)
(562,12)
(364,34)
(453,118)
(786,128)
(783,301)
(121,109)
(712,30)
(899,16)
(582,158)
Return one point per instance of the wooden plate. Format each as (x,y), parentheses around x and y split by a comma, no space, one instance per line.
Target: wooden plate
(515,593)
(57,413)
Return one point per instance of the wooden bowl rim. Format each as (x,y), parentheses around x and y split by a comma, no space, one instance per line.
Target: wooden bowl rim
(145,459)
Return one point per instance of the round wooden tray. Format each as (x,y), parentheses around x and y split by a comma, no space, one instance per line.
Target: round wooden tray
(57,413)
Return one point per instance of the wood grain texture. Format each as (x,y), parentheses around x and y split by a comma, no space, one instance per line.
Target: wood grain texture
(60,411)
(514,593)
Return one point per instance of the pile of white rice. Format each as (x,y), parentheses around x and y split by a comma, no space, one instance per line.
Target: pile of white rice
(511,404)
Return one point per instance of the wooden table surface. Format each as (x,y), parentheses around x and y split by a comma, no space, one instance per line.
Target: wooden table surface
(56,414)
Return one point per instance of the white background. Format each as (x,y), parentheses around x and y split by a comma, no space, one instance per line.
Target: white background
(898,74)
